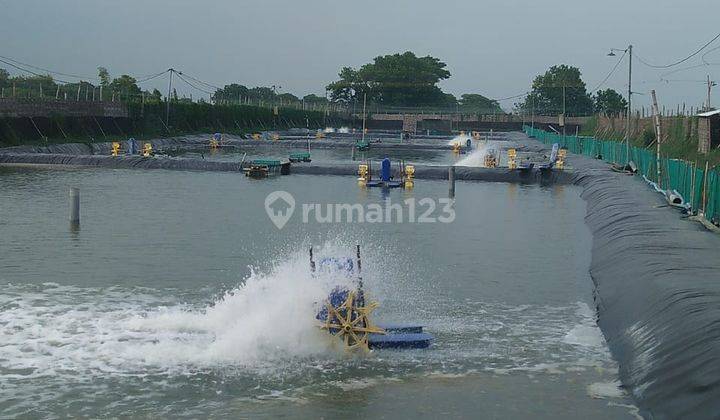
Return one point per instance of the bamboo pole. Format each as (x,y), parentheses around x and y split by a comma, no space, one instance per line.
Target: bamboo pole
(707,164)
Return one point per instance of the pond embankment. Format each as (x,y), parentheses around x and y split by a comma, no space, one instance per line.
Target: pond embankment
(99,155)
(657,292)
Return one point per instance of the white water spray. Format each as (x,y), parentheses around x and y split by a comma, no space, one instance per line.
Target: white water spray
(460,139)
(270,318)
(476,158)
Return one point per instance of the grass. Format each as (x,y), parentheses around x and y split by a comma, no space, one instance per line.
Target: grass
(679,138)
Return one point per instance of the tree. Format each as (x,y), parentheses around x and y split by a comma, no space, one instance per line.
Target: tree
(314,99)
(156,95)
(546,96)
(610,102)
(394,80)
(104,76)
(288,98)
(264,94)
(125,86)
(4,78)
(232,92)
(32,85)
(473,102)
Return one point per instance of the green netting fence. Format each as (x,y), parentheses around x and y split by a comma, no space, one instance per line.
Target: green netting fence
(700,189)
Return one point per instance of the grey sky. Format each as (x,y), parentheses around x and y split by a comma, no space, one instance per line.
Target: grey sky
(494,48)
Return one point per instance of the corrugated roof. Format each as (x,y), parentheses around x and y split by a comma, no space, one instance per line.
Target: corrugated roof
(709,113)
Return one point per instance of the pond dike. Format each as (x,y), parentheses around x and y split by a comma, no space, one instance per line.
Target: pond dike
(98,155)
(657,292)
(349,169)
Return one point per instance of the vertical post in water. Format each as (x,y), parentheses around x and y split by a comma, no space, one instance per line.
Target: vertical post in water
(451,180)
(74,207)
(629,106)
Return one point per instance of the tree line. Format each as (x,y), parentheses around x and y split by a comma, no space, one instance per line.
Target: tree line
(404,81)
(123,87)
(401,80)
(561,89)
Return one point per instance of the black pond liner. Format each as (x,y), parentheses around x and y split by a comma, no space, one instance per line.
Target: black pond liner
(343,169)
(657,292)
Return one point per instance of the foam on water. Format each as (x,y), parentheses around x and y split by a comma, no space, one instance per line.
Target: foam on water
(267,326)
(460,139)
(476,158)
(50,329)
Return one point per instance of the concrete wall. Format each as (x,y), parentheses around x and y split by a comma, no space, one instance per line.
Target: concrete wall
(416,121)
(19,108)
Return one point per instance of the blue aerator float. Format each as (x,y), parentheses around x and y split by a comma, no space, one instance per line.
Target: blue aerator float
(406,175)
(346,315)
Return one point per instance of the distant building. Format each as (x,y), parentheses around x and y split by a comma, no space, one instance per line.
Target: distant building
(708,131)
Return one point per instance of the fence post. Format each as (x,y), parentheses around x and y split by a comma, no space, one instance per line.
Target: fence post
(705,174)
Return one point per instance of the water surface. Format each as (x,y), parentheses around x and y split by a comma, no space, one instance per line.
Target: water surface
(179,297)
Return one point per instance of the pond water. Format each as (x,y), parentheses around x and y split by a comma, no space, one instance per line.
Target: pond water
(179,297)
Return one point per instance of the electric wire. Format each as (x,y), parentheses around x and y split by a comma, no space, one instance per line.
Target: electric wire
(48,70)
(200,81)
(706,54)
(599,85)
(34,73)
(666,66)
(180,76)
(512,97)
(151,77)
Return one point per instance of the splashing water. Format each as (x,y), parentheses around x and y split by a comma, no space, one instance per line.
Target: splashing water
(477,157)
(459,139)
(270,317)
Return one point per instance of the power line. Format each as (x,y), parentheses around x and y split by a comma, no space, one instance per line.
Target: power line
(662,76)
(18,63)
(512,97)
(679,61)
(49,71)
(708,52)
(180,76)
(610,74)
(200,81)
(34,73)
(151,77)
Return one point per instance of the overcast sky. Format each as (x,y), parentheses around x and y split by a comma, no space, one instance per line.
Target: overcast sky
(491,47)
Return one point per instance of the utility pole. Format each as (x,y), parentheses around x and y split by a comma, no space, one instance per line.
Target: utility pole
(629,108)
(658,136)
(532,115)
(364,103)
(563,113)
(167,108)
(710,85)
